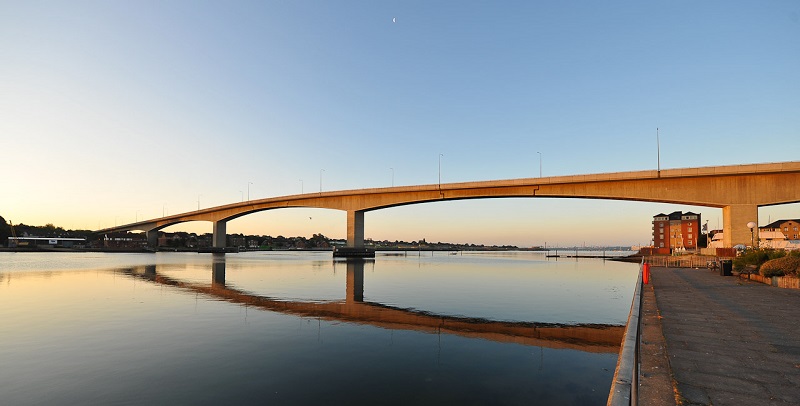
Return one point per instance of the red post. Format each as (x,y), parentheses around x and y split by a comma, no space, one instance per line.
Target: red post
(646,273)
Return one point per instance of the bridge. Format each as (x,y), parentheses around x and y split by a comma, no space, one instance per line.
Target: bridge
(737,189)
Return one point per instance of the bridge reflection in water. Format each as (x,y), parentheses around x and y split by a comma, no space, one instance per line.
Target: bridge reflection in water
(597,338)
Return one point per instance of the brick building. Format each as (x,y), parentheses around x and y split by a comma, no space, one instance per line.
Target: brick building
(676,230)
(789,228)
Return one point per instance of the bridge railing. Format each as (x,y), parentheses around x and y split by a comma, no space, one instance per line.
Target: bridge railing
(625,386)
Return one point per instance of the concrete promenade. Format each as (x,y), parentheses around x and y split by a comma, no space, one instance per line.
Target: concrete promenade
(727,341)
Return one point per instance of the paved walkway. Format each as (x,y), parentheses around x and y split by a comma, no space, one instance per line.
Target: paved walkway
(728,341)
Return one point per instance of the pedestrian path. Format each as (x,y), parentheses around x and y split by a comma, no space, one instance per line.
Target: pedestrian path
(728,341)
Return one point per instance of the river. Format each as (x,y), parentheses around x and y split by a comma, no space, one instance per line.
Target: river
(298,328)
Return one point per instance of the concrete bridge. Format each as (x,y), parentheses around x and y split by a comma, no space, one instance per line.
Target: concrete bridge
(738,189)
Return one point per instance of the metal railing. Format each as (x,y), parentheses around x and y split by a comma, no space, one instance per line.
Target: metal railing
(625,386)
(687,261)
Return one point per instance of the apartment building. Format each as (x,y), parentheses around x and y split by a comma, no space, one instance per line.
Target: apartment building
(676,230)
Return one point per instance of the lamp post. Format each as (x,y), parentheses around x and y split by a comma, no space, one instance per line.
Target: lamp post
(320,180)
(440,170)
(658,153)
(540,163)
(198,202)
(248,190)
(392,176)
(752,225)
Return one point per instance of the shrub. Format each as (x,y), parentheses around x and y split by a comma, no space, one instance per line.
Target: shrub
(787,265)
(756,258)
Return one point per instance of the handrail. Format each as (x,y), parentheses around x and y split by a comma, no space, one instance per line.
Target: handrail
(625,386)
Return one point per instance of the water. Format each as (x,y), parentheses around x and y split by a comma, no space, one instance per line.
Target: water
(298,328)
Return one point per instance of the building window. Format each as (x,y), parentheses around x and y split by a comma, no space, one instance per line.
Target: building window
(690,242)
(661,245)
(661,236)
(786,229)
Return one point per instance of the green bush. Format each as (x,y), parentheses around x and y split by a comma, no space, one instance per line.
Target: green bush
(756,258)
(787,265)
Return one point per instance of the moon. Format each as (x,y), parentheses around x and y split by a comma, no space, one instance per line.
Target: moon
(394,19)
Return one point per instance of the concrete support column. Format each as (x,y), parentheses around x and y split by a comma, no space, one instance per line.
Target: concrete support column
(152,238)
(355,281)
(220,236)
(355,228)
(734,224)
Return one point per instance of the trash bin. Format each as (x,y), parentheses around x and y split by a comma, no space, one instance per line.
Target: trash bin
(726,267)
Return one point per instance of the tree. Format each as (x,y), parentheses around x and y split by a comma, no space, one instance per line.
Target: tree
(5,231)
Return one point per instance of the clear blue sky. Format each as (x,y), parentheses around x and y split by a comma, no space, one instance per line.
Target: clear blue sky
(112,111)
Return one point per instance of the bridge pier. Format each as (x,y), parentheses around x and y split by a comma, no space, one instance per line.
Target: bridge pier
(220,237)
(355,228)
(355,238)
(152,238)
(734,224)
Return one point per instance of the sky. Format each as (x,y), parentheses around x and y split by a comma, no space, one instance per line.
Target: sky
(117,111)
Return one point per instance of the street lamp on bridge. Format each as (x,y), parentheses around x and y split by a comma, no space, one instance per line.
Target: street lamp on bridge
(440,170)
(752,225)
(540,163)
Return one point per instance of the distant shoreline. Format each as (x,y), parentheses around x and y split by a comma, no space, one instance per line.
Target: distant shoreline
(132,250)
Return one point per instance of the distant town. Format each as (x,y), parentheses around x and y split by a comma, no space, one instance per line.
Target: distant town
(50,236)
(673,233)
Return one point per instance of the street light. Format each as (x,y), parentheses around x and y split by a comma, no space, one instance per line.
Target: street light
(658,152)
(320,180)
(301,186)
(392,176)
(752,225)
(540,163)
(248,190)
(440,170)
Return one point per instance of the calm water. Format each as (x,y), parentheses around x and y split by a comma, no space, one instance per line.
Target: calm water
(299,328)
